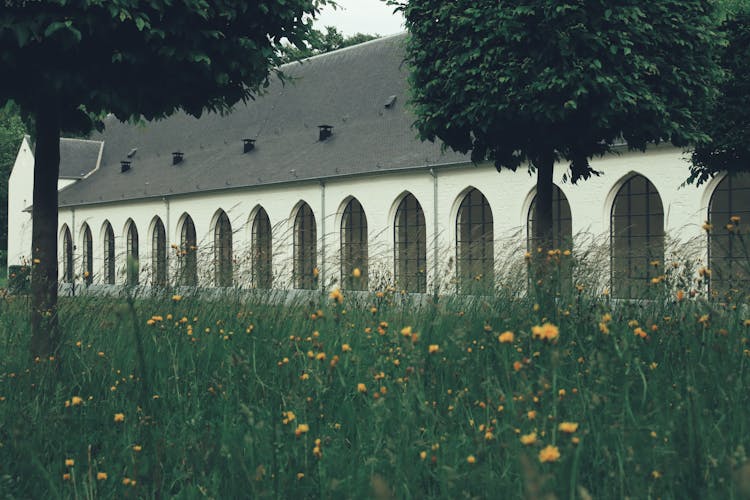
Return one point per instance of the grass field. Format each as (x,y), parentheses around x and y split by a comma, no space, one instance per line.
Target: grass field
(374,396)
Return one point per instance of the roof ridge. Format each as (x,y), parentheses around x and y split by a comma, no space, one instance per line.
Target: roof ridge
(344,49)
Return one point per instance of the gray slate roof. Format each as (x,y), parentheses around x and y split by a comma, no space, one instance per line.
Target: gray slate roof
(78,157)
(347,89)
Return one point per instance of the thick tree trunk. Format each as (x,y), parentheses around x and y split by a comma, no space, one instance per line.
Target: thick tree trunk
(543,216)
(45,333)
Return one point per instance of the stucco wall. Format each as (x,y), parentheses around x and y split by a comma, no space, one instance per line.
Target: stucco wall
(20,196)
(508,193)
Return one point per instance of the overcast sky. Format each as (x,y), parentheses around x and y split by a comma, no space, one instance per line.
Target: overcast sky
(361,16)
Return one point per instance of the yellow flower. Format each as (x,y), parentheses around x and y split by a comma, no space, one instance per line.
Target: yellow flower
(603,328)
(315,272)
(356,273)
(119,417)
(336,295)
(547,331)
(549,454)
(506,337)
(568,427)
(301,429)
(639,332)
(345,348)
(101,476)
(433,348)
(531,414)
(76,400)
(471,459)
(528,439)
(69,462)
(680,295)
(422,455)
(707,227)
(177,298)
(137,448)
(37,261)
(703,319)
(361,387)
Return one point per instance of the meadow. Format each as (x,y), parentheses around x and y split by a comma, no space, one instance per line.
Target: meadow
(380,395)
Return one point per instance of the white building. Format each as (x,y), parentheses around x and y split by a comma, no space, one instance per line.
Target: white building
(265,197)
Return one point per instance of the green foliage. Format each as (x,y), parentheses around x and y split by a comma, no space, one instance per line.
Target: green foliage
(728,122)
(661,405)
(19,278)
(320,43)
(136,58)
(517,81)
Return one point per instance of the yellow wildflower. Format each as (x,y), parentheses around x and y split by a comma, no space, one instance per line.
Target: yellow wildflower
(137,448)
(506,337)
(471,459)
(547,331)
(101,476)
(66,476)
(301,429)
(549,454)
(361,387)
(76,400)
(337,296)
(69,462)
(356,273)
(177,298)
(345,348)
(528,439)
(433,348)
(568,427)
(639,332)
(119,417)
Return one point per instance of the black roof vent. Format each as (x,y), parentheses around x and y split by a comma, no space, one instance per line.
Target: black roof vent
(326,131)
(177,157)
(390,102)
(124,166)
(248,145)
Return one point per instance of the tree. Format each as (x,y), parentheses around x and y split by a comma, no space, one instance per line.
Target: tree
(728,122)
(540,81)
(320,43)
(65,61)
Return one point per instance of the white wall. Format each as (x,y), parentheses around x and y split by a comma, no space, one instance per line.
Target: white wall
(20,197)
(508,193)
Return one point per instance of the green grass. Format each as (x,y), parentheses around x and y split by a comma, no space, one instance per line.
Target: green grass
(205,390)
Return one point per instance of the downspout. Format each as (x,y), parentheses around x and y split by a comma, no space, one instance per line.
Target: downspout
(323,233)
(435,228)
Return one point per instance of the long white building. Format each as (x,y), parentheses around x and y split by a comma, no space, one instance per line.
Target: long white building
(324,175)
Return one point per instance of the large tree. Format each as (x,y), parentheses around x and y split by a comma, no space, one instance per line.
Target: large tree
(64,61)
(728,120)
(539,81)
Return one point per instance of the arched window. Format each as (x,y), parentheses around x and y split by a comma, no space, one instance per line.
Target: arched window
(261,250)
(410,245)
(305,249)
(133,268)
(88,255)
(637,237)
(159,254)
(562,222)
(475,260)
(67,256)
(109,254)
(354,247)
(188,253)
(728,256)
(223,251)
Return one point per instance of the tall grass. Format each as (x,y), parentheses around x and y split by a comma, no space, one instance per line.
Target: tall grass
(380,394)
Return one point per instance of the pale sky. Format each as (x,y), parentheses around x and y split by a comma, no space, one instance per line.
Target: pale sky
(361,16)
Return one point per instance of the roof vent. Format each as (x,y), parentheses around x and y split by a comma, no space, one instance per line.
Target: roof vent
(177,157)
(124,166)
(326,131)
(248,145)
(132,152)
(389,102)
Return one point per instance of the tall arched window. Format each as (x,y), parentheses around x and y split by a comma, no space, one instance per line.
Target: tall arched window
(159,254)
(562,222)
(188,253)
(109,254)
(728,254)
(305,249)
(354,247)
(410,245)
(261,250)
(223,251)
(88,255)
(133,267)
(67,256)
(475,261)
(637,237)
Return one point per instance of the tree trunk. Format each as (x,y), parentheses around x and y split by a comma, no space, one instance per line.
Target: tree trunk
(543,217)
(45,333)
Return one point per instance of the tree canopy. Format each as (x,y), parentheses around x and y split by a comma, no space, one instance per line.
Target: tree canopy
(320,43)
(728,121)
(535,81)
(65,61)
